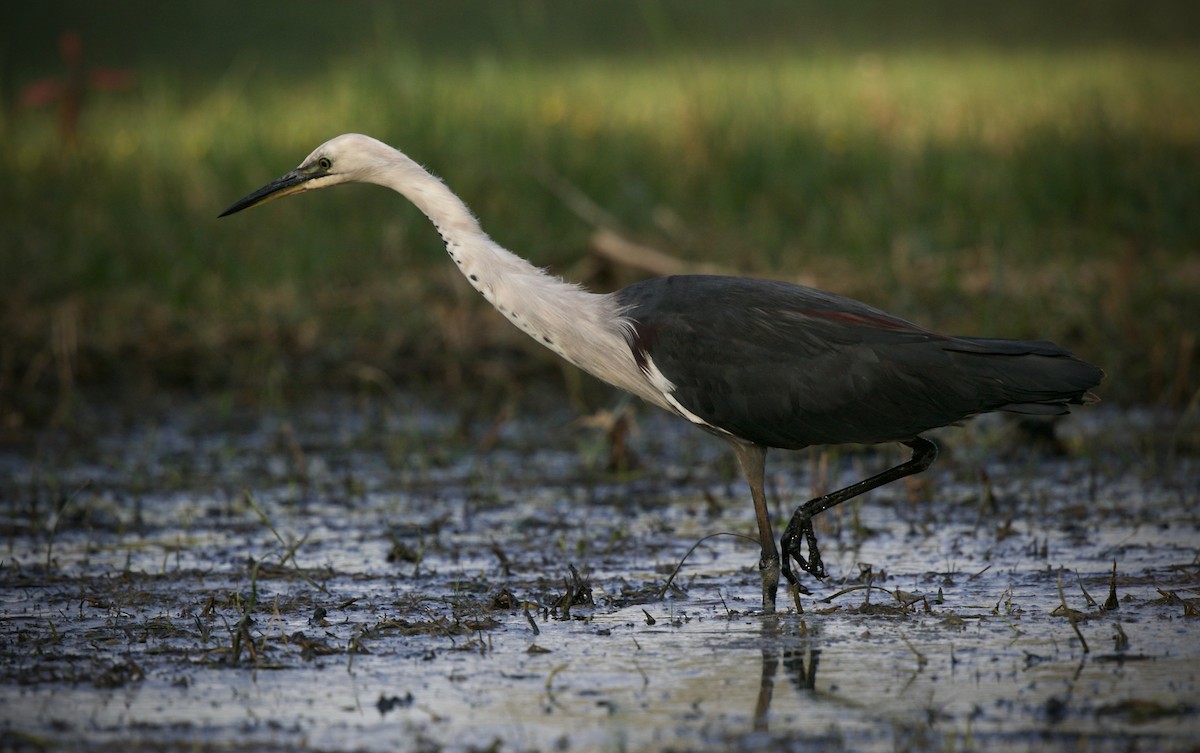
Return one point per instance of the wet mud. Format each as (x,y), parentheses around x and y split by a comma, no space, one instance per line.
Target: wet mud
(384,574)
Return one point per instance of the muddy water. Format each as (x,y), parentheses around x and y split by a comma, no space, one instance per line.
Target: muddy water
(381,575)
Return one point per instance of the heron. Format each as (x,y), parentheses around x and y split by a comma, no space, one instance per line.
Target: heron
(760,363)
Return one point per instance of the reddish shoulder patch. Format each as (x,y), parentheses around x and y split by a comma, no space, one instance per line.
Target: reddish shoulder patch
(870,321)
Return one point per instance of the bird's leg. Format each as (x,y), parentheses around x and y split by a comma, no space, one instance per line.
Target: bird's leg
(924,453)
(752,458)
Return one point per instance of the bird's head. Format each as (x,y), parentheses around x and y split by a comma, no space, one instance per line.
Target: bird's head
(349,158)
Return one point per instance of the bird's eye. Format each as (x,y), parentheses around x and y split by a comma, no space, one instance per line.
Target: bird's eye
(325,163)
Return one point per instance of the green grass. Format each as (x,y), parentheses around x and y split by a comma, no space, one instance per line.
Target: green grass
(982,188)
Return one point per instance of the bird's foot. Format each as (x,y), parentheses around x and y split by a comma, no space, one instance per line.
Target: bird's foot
(790,545)
(768,567)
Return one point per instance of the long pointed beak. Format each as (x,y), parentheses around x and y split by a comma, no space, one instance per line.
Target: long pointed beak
(288,184)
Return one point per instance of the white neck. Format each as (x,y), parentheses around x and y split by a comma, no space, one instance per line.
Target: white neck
(585,328)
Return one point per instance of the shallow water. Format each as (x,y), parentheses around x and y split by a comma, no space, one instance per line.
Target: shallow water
(379,575)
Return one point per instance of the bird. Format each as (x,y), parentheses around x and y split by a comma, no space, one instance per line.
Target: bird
(763,364)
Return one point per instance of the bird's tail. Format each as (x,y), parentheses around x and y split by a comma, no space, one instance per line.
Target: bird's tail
(1027,376)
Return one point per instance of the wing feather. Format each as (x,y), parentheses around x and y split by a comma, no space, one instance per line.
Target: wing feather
(789,366)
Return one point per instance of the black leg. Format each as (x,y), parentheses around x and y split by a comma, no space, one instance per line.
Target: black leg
(752,458)
(924,453)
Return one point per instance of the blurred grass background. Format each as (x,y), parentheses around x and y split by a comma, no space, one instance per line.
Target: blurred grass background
(1023,170)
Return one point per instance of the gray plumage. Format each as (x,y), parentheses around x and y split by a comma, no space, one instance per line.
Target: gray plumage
(789,366)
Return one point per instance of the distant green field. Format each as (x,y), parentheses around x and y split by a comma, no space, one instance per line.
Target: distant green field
(971,182)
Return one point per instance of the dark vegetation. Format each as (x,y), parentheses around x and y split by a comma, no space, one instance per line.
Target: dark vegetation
(1025,172)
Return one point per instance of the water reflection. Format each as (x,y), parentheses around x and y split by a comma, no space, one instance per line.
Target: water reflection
(799,663)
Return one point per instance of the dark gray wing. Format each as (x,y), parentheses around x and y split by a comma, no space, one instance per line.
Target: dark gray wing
(788,366)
